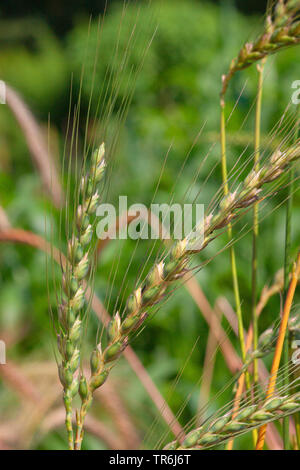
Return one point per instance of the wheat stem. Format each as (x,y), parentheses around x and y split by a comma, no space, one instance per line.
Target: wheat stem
(232,252)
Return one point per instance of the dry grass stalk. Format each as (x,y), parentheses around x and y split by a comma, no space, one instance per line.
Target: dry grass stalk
(42,158)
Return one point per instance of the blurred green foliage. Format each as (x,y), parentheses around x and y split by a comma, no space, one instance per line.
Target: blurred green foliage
(176,94)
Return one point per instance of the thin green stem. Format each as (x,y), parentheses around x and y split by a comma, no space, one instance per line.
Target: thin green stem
(257,136)
(232,252)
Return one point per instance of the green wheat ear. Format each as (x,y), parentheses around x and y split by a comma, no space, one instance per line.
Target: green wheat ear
(226,427)
(280,32)
(78,263)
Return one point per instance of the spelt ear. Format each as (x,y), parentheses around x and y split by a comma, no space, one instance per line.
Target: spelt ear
(226,427)
(41,156)
(281,31)
(74,273)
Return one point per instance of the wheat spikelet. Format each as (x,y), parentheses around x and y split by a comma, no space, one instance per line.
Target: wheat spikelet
(226,427)
(280,32)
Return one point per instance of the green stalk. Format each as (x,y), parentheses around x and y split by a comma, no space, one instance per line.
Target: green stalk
(287,266)
(80,416)
(255,216)
(232,252)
